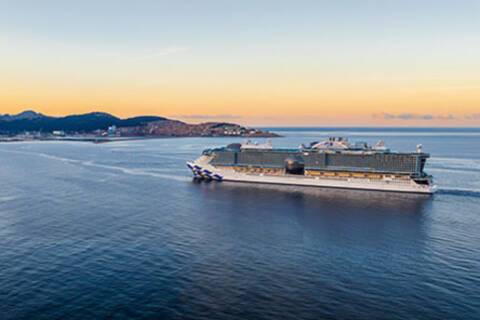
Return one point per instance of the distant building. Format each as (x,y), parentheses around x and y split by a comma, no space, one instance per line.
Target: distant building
(58,133)
(112,130)
(233,130)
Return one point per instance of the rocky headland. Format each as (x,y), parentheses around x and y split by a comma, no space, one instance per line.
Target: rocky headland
(101,126)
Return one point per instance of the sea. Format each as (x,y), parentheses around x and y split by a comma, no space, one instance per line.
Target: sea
(121,231)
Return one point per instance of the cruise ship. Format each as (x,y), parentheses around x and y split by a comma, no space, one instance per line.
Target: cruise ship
(333,163)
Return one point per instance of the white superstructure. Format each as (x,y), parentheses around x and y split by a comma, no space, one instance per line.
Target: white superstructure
(209,167)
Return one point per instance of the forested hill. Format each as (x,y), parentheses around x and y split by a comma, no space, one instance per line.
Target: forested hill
(97,123)
(36,122)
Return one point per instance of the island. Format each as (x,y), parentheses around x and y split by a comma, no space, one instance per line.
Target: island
(104,127)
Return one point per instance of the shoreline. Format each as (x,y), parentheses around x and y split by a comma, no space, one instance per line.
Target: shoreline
(118,139)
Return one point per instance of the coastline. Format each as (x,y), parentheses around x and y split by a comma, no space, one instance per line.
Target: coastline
(94,139)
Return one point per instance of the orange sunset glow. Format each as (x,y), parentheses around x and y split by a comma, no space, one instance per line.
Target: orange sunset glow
(327,65)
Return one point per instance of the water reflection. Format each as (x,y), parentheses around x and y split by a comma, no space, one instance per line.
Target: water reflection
(325,241)
(327,215)
(336,199)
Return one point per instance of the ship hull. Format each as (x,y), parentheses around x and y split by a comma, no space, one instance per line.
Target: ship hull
(202,170)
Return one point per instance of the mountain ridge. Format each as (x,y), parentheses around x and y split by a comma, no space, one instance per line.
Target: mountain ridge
(26,114)
(30,120)
(105,124)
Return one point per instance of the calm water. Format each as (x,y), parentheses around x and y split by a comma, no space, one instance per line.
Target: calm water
(120,231)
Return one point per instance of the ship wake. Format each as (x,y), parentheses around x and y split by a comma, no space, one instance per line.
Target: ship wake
(464,192)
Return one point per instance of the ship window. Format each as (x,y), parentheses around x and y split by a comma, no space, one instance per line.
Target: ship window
(422,182)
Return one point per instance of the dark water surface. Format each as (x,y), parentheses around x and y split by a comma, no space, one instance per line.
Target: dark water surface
(119,230)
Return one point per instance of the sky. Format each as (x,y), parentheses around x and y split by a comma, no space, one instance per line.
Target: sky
(261,62)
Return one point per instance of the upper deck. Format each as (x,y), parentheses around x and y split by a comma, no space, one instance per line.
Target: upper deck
(358,158)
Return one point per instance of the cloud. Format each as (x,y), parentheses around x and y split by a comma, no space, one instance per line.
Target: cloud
(168,51)
(412,116)
(473,116)
(210,116)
